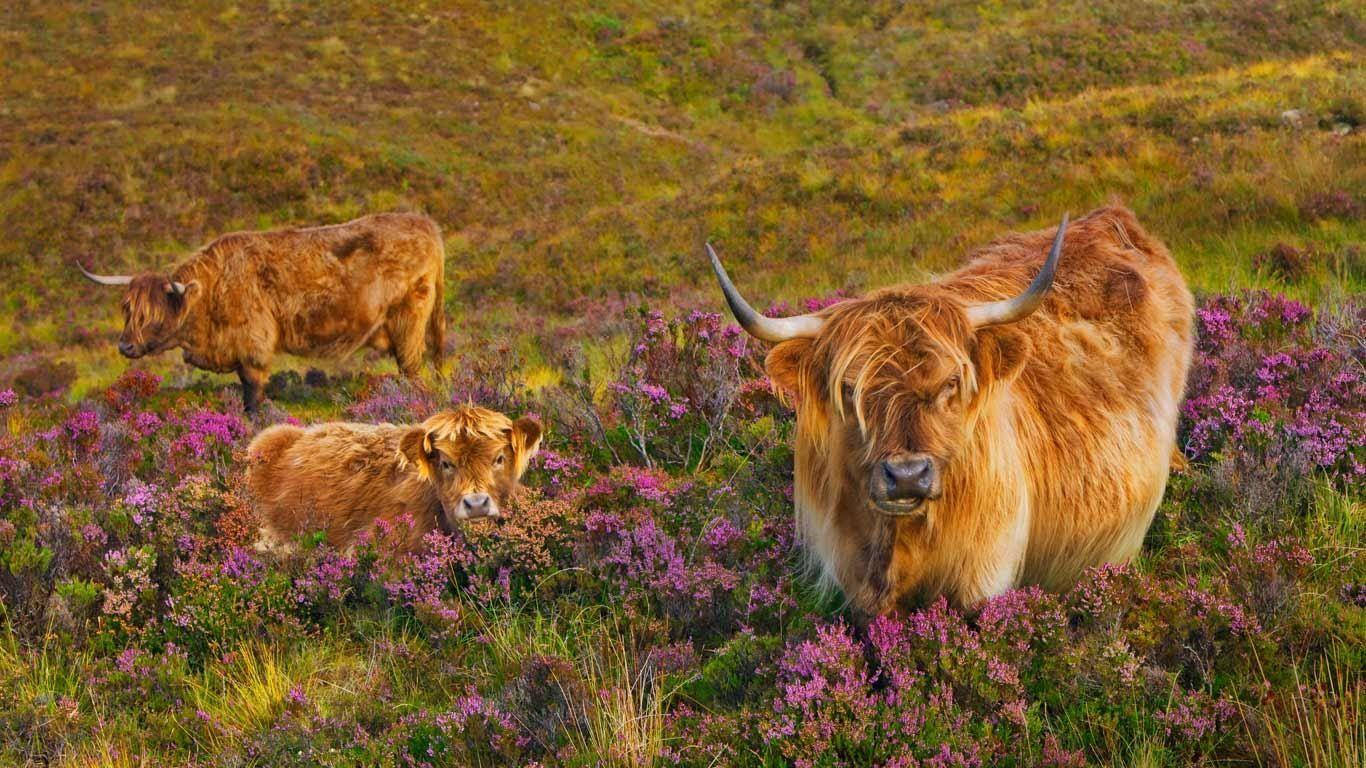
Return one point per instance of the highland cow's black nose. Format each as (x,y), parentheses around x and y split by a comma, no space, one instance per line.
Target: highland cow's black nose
(126,348)
(476,505)
(909,477)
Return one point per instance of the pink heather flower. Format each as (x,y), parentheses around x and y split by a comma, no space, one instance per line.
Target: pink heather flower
(8,398)
(655,393)
(296,696)
(1216,325)
(205,428)
(82,424)
(1003,673)
(145,423)
(1236,537)
(721,534)
(127,660)
(141,496)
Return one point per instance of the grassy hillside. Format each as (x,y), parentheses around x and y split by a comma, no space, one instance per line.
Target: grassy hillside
(587,153)
(645,605)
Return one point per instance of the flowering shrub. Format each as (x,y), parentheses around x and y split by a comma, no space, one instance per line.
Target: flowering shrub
(677,386)
(660,523)
(1276,394)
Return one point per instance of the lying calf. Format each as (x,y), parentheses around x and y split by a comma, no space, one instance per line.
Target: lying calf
(346,480)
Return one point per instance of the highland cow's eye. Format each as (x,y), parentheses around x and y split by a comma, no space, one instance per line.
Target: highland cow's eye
(498,460)
(950,389)
(446,465)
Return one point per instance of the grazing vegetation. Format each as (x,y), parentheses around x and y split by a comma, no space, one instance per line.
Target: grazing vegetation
(645,604)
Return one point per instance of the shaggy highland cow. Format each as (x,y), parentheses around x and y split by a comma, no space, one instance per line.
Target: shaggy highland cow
(346,480)
(998,427)
(376,281)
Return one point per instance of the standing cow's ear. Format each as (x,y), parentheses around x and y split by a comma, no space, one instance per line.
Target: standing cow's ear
(183,294)
(789,368)
(1000,355)
(525,437)
(414,450)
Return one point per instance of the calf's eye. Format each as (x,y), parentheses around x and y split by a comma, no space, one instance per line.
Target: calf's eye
(498,460)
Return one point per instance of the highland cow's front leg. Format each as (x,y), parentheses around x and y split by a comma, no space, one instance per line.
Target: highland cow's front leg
(253,386)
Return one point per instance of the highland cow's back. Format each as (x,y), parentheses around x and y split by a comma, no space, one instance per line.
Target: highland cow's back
(1099,398)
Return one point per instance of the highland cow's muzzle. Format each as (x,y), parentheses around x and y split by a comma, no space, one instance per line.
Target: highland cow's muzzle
(901,483)
(132,351)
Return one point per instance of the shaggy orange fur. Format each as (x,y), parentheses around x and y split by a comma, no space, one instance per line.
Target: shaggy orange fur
(1053,435)
(347,480)
(321,291)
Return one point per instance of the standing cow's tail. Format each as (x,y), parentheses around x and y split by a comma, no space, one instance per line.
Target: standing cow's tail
(436,320)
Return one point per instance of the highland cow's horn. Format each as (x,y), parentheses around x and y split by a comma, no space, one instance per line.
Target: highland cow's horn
(774,329)
(1018,308)
(106,279)
(178,288)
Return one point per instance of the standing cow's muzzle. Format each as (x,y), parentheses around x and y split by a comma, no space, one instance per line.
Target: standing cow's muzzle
(900,484)
(130,350)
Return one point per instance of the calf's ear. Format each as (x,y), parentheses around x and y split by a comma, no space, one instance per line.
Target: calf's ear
(525,438)
(414,450)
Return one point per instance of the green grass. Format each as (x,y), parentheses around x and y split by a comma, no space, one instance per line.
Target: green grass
(586,153)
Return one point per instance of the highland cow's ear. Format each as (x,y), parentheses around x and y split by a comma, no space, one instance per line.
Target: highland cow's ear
(789,368)
(183,294)
(1000,355)
(525,437)
(414,450)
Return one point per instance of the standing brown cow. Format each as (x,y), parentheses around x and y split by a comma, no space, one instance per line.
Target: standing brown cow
(320,291)
(995,428)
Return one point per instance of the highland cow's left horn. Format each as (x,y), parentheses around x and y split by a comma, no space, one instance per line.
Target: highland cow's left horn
(105,279)
(774,329)
(1020,307)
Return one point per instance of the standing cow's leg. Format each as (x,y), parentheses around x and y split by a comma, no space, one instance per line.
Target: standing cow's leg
(407,329)
(253,386)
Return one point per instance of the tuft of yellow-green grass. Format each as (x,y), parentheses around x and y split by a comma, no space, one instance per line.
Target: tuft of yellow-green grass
(622,722)
(105,752)
(246,694)
(1321,724)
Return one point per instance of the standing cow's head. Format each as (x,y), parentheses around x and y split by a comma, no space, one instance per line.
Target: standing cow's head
(886,389)
(473,457)
(154,309)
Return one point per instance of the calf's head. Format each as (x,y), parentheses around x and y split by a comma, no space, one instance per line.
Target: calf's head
(154,309)
(473,457)
(886,388)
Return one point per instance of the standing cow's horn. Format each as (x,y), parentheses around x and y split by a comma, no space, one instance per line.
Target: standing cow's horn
(177,288)
(1018,308)
(772,329)
(105,279)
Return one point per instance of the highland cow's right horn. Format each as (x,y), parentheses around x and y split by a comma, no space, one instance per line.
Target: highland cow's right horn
(774,329)
(105,279)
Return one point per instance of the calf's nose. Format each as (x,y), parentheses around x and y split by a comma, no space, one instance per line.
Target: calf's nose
(909,477)
(126,348)
(476,505)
